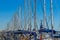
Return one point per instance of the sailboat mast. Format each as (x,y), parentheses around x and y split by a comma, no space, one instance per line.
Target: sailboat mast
(35,24)
(25,26)
(29,13)
(45,13)
(51,12)
(20,17)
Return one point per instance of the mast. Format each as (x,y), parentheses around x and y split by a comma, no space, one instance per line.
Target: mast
(29,13)
(25,26)
(20,17)
(51,12)
(45,13)
(35,24)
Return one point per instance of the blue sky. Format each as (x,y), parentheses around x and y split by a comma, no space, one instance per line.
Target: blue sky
(9,7)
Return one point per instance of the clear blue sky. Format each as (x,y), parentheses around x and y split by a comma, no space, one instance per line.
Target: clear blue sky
(9,7)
